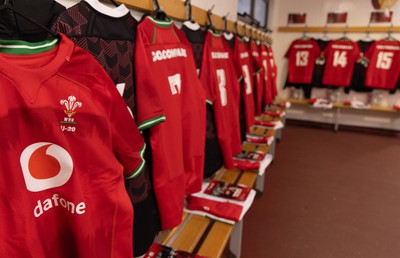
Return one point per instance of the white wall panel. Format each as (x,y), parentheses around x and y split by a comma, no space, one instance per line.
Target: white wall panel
(221,8)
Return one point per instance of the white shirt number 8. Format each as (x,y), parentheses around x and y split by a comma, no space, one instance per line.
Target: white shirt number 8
(221,85)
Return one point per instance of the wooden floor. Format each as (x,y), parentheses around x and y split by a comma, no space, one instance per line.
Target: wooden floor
(328,194)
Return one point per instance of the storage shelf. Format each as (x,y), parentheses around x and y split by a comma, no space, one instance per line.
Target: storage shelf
(340,105)
(341,29)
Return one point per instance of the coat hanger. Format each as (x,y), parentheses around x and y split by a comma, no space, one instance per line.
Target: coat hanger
(325,32)
(236,29)
(254,34)
(189,16)
(190,22)
(304,36)
(390,31)
(227,34)
(10,8)
(268,36)
(115,3)
(158,12)
(245,37)
(225,21)
(344,37)
(367,33)
(210,25)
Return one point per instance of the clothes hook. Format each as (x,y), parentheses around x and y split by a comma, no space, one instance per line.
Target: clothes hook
(209,20)
(390,29)
(156,5)
(188,5)
(325,32)
(368,30)
(244,29)
(224,18)
(236,28)
(115,3)
(345,31)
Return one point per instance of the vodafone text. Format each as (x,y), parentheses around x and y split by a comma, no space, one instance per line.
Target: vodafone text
(56,201)
(168,54)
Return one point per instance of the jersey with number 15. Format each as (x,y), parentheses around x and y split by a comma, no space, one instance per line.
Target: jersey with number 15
(384,68)
(340,56)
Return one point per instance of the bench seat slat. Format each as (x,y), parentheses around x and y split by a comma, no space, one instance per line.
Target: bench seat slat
(218,237)
(191,233)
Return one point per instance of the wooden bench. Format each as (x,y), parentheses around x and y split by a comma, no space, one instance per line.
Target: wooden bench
(266,118)
(208,237)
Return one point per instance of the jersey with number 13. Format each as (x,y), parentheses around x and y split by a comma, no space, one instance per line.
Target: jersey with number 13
(340,57)
(301,59)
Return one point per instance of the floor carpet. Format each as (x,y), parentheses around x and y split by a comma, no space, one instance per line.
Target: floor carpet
(328,194)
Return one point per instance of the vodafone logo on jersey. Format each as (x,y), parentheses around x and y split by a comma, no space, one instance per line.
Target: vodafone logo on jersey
(45,165)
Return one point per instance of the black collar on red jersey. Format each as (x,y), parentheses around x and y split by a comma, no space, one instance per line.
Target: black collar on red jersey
(10,8)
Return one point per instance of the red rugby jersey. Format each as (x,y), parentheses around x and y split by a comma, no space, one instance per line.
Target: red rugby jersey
(67,141)
(244,68)
(255,54)
(219,78)
(268,91)
(272,70)
(165,64)
(384,64)
(301,57)
(340,57)
(111,39)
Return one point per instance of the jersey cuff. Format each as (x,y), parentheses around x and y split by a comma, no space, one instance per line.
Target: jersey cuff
(139,169)
(240,78)
(258,71)
(209,102)
(151,122)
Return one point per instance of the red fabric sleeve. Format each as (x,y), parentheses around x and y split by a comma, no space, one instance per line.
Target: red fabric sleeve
(149,111)
(127,141)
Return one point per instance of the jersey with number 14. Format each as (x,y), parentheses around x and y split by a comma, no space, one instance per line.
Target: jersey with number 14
(340,57)
(384,65)
(301,59)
